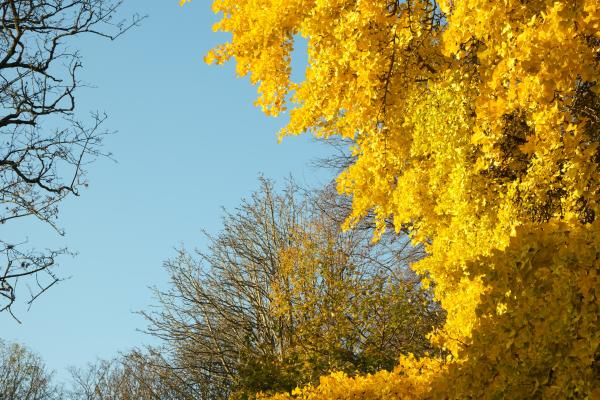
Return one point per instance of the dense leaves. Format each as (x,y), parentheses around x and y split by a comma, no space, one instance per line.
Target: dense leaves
(474,126)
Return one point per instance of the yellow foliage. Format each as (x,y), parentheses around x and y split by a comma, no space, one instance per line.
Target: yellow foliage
(349,309)
(476,124)
(410,380)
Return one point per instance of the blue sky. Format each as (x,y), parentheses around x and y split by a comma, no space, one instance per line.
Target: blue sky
(189,142)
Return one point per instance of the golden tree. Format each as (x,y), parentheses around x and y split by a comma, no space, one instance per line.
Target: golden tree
(475,125)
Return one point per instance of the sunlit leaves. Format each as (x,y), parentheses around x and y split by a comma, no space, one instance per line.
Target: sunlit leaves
(478,130)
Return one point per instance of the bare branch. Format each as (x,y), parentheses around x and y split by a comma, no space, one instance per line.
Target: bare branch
(44,148)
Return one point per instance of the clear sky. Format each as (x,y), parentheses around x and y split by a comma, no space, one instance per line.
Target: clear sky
(189,141)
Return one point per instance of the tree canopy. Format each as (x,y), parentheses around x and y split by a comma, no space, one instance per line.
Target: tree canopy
(475,125)
(23,375)
(282,296)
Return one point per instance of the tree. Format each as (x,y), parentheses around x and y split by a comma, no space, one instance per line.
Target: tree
(350,305)
(475,126)
(23,375)
(44,148)
(282,296)
(135,375)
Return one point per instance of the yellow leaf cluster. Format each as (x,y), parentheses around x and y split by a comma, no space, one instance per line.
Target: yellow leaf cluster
(476,125)
(410,380)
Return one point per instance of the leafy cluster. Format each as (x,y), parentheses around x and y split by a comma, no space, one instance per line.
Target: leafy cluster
(475,125)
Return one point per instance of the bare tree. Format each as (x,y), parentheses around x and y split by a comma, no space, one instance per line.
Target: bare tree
(136,375)
(44,148)
(23,375)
